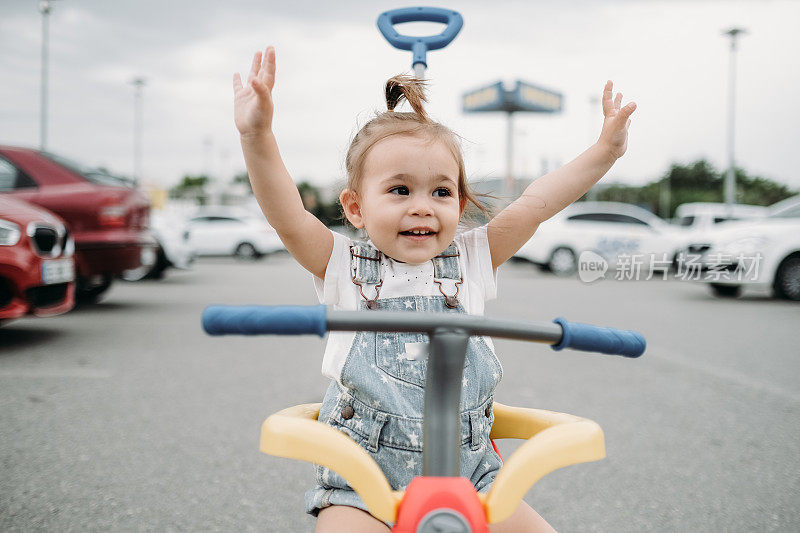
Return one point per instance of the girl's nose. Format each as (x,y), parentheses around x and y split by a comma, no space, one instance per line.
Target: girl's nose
(421,207)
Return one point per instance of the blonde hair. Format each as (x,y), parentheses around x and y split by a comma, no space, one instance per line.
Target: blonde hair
(416,123)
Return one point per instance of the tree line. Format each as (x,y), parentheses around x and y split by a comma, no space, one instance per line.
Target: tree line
(694,182)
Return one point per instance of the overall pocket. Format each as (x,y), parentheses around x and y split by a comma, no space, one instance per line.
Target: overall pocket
(404,356)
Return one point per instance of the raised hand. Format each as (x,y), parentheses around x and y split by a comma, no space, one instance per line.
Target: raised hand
(252,103)
(614,135)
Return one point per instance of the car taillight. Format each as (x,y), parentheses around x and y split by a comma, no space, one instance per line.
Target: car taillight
(112,216)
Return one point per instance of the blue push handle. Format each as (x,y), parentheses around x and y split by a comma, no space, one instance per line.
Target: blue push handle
(598,339)
(420,45)
(264,319)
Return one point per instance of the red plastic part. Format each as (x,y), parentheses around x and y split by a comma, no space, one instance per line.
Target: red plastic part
(497,451)
(424,494)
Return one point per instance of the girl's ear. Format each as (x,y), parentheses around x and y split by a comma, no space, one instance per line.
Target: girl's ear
(351,207)
(462,204)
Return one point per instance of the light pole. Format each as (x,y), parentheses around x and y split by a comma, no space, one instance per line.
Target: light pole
(730,176)
(137,83)
(44,8)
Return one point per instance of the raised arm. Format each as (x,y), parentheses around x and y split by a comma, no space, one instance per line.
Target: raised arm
(306,238)
(554,191)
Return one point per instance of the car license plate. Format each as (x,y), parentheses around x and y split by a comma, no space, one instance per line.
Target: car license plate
(58,271)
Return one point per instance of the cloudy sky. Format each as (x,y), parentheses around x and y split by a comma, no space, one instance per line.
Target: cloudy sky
(667,56)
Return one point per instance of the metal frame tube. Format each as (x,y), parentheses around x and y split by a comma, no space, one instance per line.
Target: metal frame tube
(545,332)
(441,427)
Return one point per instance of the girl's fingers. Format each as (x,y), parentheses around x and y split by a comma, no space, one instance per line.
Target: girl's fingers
(618,101)
(623,117)
(628,109)
(258,87)
(256,66)
(237,82)
(608,105)
(268,68)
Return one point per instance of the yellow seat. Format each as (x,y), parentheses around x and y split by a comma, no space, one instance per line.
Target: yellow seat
(554,440)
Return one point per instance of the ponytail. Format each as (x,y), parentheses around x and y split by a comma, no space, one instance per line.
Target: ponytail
(410,88)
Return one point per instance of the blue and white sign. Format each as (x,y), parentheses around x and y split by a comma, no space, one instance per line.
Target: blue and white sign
(529,97)
(525,97)
(490,98)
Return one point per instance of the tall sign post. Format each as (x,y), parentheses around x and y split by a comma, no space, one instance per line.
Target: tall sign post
(524,97)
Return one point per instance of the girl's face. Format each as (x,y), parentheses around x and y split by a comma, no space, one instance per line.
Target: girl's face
(408,200)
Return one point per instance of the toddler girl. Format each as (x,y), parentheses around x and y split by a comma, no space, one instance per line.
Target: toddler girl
(407,189)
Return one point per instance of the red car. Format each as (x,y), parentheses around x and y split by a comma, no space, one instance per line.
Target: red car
(37,270)
(106,215)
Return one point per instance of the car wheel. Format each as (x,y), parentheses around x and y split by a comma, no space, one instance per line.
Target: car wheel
(787,279)
(144,271)
(247,252)
(162,263)
(726,291)
(88,290)
(563,262)
(135,274)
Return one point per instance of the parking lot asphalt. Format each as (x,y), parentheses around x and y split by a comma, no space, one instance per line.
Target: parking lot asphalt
(125,416)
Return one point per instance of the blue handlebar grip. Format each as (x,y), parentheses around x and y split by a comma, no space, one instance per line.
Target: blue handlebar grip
(264,319)
(420,45)
(598,339)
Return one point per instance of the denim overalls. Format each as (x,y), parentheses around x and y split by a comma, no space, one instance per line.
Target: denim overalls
(379,403)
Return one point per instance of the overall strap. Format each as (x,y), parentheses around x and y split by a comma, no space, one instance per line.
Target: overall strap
(447,266)
(365,262)
(365,265)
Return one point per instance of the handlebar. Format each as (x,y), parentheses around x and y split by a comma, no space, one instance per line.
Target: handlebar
(317,319)
(419,46)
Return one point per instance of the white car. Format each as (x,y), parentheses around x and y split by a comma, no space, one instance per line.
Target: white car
(232,231)
(699,216)
(173,250)
(759,253)
(609,229)
(699,220)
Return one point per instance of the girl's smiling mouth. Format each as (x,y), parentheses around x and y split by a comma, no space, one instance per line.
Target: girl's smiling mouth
(418,234)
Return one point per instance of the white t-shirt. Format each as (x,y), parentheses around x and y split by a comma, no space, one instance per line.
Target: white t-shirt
(401,279)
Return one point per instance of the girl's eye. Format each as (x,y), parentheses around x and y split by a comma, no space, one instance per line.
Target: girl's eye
(442,192)
(402,189)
